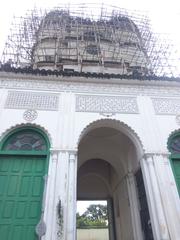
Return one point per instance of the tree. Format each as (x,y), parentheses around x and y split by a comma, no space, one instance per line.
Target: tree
(94,216)
(96,212)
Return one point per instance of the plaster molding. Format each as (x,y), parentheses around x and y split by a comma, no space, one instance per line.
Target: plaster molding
(108,115)
(149,160)
(30,115)
(166,106)
(32,100)
(72,155)
(154,154)
(64,150)
(75,84)
(54,78)
(106,104)
(54,153)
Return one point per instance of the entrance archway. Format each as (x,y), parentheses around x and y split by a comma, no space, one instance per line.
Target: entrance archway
(108,168)
(23,164)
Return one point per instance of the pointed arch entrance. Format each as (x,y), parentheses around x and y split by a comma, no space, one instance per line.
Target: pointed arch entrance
(23,164)
(109,169)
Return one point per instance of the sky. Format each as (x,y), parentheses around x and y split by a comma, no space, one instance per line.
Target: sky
(82,205)
(164,14)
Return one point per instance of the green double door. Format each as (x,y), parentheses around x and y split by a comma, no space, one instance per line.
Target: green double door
(176,170)
(21,191)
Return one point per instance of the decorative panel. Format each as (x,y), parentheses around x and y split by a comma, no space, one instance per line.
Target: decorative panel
(32,100)
(26,141)
(106,104)
(166,106)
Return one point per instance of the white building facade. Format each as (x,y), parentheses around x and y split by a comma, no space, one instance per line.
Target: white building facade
(101,132)
(69,138)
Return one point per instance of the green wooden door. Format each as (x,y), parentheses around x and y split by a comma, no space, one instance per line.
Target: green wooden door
(176,170)
(21,191)
(174,148)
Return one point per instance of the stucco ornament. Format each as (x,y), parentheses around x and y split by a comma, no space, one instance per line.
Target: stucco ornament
(41,228)
(30,115)
(178,119)
(107,114)
(106,104)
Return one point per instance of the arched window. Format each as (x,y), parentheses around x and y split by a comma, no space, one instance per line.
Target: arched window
(25,140)
(174,148)
(30,140)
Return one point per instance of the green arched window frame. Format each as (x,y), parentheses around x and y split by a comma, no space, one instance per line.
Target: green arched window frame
(24,151)
(174,149)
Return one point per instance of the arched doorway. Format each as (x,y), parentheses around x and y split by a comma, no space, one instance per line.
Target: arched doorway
(23,165)
(174,148)
(109,169)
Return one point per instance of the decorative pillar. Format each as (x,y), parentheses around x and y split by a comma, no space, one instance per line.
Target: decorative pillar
(71,196)
(50,208)
(158,220)
(61,201)
(60,210)
(169,194)
(137,231)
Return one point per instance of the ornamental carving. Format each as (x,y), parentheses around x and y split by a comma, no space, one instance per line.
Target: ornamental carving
(64,84)
(30,115)
(32,100)
(166,106)
(106,104)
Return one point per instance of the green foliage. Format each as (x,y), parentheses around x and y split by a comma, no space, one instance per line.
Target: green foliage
(94,217)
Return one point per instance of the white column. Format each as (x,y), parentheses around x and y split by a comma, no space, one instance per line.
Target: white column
(169,194)
(158,220)
(137,231)
(50,208)
(57,192)
(62,193)
(71,197)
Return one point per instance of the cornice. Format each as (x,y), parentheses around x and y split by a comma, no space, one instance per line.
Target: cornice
(29,77)
(153,154)
(86,85)
(63,150)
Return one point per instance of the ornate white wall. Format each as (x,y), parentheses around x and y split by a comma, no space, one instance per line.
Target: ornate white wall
(65,107)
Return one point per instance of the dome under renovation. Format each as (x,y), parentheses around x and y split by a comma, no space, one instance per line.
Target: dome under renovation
(89,39)
(83,44)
